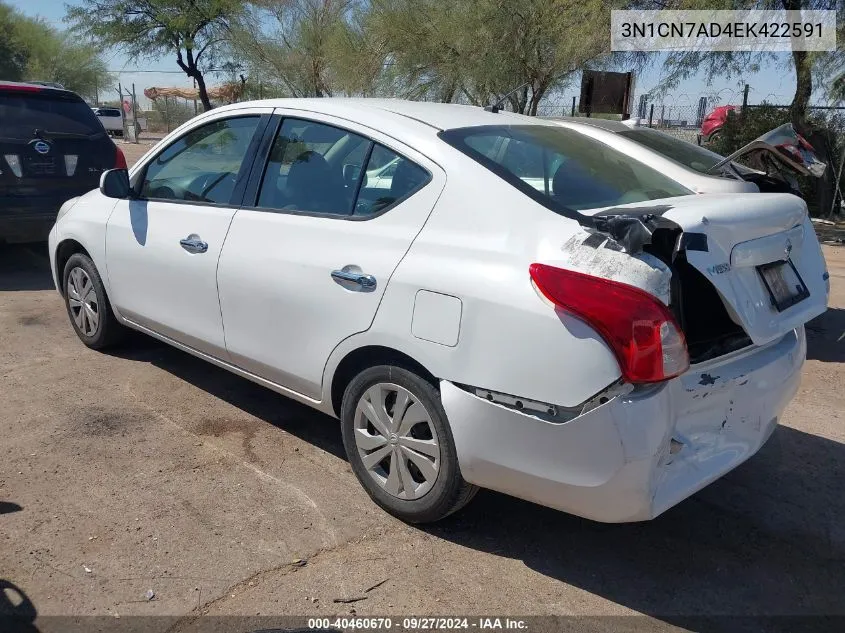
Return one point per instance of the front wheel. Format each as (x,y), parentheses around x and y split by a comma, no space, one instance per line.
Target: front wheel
(398,441)
(87,304)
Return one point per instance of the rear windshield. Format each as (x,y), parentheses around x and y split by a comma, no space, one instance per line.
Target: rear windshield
(110,112)
(560,168)
(22,113)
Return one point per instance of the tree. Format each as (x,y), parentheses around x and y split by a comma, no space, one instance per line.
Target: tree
(190,29)
(31,49)
(293,42)
(13,56)
(481,50)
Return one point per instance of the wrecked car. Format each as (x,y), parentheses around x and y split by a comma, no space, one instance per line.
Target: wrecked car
(514,305)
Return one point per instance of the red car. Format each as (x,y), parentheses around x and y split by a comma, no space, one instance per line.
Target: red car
(714,121)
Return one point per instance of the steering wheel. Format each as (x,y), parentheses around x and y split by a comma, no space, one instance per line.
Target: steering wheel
(206,183)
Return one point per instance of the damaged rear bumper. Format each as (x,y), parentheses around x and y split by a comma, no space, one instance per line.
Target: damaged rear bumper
(637,455)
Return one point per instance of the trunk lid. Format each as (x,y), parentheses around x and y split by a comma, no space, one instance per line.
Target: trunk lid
(759,251)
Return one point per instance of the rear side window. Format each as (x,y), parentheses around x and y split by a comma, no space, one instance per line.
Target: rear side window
(305,169)
(21,113)
(388,179)
(322,169)
(560,168)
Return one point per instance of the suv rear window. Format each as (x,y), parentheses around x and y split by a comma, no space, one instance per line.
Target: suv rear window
(560,168)
(110,112)
(21,113)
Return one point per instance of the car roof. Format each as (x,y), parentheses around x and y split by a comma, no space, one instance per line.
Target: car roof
(440,116)
(605,124)
(34,87)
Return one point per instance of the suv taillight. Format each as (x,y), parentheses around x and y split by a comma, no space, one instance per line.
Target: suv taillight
(643,334)
(119,159)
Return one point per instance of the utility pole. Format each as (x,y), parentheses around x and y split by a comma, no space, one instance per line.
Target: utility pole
(120,105)
(134,116)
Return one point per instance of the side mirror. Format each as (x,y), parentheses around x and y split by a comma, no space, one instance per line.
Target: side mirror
(114,183)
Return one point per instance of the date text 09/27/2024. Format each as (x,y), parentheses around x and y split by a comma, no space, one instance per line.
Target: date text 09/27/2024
(417,623)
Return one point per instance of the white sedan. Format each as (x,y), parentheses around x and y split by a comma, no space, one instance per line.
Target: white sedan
(523,308)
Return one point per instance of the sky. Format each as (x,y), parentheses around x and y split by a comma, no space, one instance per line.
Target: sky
(772,84)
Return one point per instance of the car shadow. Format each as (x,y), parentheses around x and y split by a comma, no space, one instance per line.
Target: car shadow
(25,267)
(762,549)
(826,336)
(7,507)
(300,420)
(17,612)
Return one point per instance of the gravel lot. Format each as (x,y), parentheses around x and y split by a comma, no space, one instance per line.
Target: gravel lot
(146,469)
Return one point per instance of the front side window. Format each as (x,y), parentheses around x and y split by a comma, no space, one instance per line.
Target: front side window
(560,168)
(319,168)
(203,165)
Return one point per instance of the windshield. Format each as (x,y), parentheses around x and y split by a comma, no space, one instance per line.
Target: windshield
(692,156)
(562,169)
(22,113)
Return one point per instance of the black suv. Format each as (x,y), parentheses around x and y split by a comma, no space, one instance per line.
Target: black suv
(52,148)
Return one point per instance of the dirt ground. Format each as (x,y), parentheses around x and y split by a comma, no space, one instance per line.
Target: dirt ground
(147,482)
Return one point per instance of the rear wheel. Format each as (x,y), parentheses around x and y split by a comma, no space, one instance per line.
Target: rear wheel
(399,444)
(87,304)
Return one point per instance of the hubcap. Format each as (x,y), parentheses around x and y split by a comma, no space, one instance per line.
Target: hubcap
(83,301)
(396,441)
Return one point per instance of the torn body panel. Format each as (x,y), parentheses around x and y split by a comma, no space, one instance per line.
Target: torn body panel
(601,256)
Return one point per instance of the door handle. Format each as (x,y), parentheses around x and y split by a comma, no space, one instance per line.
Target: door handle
(193,244)
(364,281)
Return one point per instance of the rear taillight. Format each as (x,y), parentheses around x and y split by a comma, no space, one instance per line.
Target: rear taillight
(643,334)
(119,159)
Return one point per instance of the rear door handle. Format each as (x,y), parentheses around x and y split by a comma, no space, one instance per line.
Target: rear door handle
(364,281)
(193,244)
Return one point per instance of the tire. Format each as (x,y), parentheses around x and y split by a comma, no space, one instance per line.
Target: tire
(98,328)
(405,490)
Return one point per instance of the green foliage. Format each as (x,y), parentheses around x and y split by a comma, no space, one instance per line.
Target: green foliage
(30,49)
(475,51)
(481,50)
(292,44)
(13,56)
